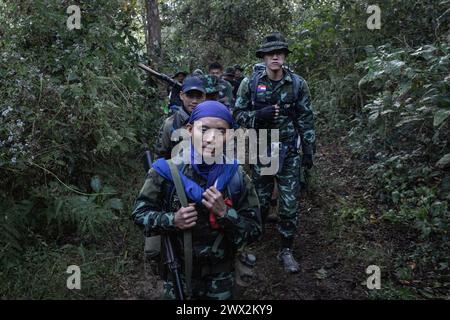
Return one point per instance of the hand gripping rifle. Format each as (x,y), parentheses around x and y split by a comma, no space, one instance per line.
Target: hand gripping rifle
(169,257)
(160,76)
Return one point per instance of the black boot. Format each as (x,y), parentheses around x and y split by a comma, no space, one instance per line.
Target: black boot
(286,257)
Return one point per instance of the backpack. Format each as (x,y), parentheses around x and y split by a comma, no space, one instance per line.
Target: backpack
(258,70)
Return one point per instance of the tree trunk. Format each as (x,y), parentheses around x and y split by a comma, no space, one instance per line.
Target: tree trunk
(153,33)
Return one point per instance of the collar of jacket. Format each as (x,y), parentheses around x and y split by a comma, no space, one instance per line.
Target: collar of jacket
(180,118)
(286,76)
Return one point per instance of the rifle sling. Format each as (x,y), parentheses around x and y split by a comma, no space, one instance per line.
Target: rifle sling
(187,234)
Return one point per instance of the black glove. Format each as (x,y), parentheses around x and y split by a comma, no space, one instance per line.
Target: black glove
(307,161)
(266,113)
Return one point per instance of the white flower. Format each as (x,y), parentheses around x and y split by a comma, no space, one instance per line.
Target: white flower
(14,160)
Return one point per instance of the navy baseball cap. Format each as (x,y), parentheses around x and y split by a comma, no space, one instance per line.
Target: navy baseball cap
(193,83)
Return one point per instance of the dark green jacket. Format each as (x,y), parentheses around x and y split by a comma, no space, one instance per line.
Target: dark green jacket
(164,144)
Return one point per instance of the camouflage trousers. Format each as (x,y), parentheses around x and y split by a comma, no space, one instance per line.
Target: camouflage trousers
(288,180)
(217,286)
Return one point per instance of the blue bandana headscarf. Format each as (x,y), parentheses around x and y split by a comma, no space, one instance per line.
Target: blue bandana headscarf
(213,109)
(222,173)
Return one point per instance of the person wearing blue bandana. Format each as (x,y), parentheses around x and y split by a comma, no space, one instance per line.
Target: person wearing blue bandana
(222,212)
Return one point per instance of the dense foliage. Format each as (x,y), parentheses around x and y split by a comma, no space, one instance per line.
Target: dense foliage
(75,113)
(73,109)
(385,94)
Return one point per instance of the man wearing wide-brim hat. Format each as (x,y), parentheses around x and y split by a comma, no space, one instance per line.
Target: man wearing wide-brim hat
(273,42)
(276,98)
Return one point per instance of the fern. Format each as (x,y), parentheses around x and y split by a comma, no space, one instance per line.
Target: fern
(13,228)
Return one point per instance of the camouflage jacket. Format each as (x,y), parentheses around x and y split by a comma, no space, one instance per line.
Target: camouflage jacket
(237,84)
(154,210)
(226,93)
(266,93)
(165,145)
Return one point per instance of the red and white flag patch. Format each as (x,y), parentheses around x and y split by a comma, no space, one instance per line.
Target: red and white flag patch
(261,88)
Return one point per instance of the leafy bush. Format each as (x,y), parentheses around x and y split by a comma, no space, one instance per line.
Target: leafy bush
(404,132)
(72,101)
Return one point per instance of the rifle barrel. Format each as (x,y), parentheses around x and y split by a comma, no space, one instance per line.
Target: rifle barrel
(173,266)
(160,76)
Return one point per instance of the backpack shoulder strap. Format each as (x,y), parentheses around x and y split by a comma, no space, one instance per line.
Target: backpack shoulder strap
(236,190)
(174,170)
(235,187)
(296,82)
(253,83)
(187,234)
(170,187)
(258,70)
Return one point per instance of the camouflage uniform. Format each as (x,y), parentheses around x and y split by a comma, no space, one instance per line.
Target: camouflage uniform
(213,274)
(288,176)
(165,145)
(226,93)
(211,84)
(238,80)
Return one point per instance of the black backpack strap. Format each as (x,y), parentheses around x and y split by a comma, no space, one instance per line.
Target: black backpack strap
(235,187)
(296,81)
(253,84)
(258,70)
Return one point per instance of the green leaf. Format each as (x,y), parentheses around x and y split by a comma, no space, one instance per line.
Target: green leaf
(440,116)
(426,52)
(96,184)
(394,66)
(321,273)
(395,197)
(82,254)
(443,101)
(444,161)
(407,120)
(72,76)
(115,203)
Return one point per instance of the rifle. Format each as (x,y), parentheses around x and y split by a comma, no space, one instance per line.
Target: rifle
(170,259)
(305,180)
(160,76)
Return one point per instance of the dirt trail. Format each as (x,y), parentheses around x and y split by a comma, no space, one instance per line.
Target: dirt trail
(325,271)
